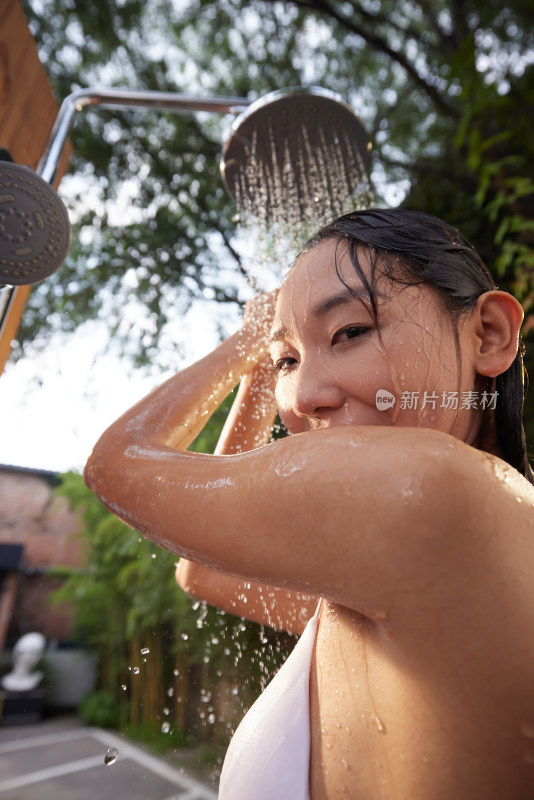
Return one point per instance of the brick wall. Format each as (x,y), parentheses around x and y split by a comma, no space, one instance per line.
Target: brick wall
(31,516)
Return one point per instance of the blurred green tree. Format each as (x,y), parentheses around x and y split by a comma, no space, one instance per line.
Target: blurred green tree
(445,88)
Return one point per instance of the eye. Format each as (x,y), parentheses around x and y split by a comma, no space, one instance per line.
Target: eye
(283,364)
(348,333)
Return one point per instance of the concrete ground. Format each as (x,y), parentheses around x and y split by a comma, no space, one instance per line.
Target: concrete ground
(61,759)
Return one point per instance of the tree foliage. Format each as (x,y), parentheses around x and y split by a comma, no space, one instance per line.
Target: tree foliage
(444,87)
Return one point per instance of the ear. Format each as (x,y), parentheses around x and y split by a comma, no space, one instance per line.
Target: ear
(496,320)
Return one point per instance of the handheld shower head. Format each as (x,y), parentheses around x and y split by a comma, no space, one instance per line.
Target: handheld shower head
(298,147)
(34,226)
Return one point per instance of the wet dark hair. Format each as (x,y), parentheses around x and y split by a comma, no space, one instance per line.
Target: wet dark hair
(412,247)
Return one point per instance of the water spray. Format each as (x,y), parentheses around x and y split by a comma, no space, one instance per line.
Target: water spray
(276,150)
(298,153)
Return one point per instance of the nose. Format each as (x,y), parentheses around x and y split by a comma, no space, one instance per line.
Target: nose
(316,392)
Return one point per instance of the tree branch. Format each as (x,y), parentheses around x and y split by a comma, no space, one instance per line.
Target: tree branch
(373,18)
(428,9)
(380,44)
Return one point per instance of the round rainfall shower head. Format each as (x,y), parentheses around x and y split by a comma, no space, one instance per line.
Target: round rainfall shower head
(298,147)
(34,226)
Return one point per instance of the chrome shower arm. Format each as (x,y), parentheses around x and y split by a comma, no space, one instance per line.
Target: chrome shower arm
(113,98)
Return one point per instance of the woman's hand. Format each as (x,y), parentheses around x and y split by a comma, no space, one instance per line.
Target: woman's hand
(258,319)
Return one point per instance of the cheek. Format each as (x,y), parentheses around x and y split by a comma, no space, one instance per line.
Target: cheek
(364,371)
(419,357)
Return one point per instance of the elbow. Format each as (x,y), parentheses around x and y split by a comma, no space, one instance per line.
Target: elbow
(95,468)
(100,469)
(89,472)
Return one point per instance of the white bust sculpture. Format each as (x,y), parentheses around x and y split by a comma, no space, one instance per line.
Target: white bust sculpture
(26,654)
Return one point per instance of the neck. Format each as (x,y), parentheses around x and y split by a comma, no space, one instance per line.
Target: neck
(487,439)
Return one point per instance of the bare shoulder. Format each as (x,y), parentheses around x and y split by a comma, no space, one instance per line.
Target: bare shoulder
(486,506)
(497,493)
(433,472)
(452,547)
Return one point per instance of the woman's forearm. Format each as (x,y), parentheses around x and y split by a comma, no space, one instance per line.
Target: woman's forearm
(249,422)
(174,414)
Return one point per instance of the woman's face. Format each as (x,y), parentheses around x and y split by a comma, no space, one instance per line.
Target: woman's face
(335,369)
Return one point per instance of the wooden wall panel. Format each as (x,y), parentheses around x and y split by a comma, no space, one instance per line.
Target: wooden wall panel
(28,110)
(28,107)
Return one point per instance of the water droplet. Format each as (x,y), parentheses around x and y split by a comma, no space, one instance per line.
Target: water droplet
(170,692)
(145,651)
(123,687)
(379,724)
(135,670)
(166,726)
(111,756)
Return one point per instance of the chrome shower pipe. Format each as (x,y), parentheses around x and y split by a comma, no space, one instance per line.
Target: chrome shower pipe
(115,98)
(106,98)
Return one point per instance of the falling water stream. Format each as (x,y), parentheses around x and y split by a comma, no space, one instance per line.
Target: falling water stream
(295,173)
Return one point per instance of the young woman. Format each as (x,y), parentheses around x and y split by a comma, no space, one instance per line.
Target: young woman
(404,499)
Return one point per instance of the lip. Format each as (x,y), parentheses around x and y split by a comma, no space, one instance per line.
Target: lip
(316,424)
(323,424)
